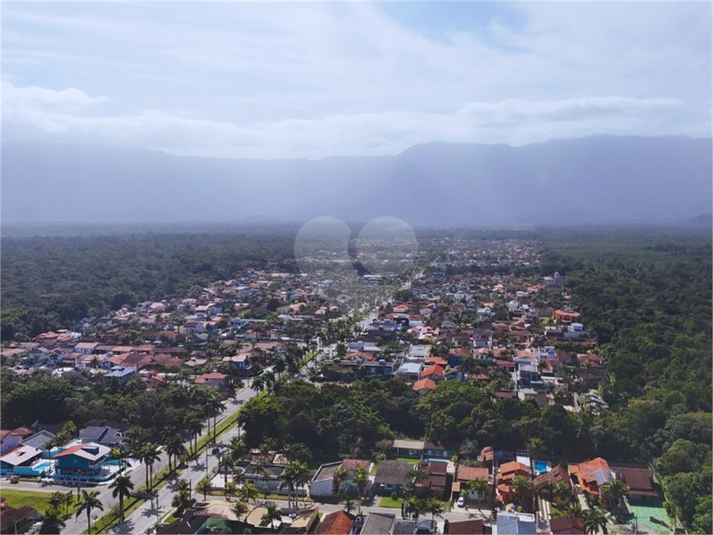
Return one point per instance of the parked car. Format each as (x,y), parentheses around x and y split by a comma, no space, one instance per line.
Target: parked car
(461,501)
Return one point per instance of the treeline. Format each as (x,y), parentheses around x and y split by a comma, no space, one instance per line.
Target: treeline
(51,282)
(646,295)
(151,414)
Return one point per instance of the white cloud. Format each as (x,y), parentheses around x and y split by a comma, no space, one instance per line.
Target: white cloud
(385,132)
(344,78)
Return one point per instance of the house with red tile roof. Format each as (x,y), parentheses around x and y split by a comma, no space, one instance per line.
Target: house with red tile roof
(422,386)
(591,475)
(431,372)
(337,523)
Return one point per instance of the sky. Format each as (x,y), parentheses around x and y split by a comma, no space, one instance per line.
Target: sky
(313,80)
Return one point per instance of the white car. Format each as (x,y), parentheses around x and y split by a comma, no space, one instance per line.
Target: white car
(461,501)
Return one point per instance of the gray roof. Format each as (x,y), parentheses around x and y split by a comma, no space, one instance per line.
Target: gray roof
(516,524)
(106,436)
(38,440)
(392,472)
(378,524)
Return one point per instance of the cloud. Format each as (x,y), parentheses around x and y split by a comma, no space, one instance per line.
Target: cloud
(384,132)
(322,79)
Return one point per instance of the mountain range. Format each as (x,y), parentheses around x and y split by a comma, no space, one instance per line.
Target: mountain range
(600,178)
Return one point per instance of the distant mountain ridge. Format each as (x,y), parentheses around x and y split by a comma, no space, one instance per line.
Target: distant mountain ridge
(601,178)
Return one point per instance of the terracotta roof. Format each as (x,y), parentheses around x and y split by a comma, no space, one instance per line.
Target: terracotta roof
(469,473)
(432,370)
(639,480)
(553,476)
(566,524)
(337,523)
(424,384)
(513,466)
(465,527)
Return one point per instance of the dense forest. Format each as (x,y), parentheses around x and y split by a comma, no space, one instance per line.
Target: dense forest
(50,282)
(646,294)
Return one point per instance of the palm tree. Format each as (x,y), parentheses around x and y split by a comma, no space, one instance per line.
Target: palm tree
(230,490)
(226,464)
(337,478)
(348,491)
(214,407)
(561,492)
(87,503)
(119,454)
(52,521)
(613,491)
(435,507)
(174,449)
(204,487)
(182,501)
(194,427)
(523,488)
(182,485)
(361,478)
(68,500)
(249,492)
(240,509)
(479,486)
(122,486)
(56,500)
(237,448)
(149,454)
(295,474)
(271,516)
(595,521)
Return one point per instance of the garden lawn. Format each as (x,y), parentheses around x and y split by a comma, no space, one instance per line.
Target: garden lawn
(388,501)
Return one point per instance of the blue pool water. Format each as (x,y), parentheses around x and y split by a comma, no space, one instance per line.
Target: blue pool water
(46,465)
(541,467)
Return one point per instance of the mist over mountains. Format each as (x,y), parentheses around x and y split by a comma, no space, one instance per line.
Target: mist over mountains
(602,178)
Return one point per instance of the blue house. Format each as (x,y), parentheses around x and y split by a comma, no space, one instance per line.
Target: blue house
(83,461)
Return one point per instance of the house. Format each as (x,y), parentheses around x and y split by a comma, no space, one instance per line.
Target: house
(431,372)
(565,317)
(505,477)
(640,481)
(120,373)
(413,527)
(17,520)
(423,386)
(106,436)
(81,461)
(466,474)
(544,482)
(323,483)
(391,476)
(437,482)
(378,523)
(23,460)
(409,448)
(214,379)
(86,348)
(515,524)
(591,475)
(439,450)
(336,523)
(38,440)
(10,438)
(466,527)
(410,370)
(567,525)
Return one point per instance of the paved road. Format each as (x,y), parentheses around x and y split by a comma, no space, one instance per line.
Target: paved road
(138,475)
(146,516)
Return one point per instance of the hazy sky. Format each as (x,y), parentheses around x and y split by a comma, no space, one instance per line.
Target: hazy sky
(319,79)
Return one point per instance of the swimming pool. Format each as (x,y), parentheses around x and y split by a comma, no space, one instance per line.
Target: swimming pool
(541,467)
